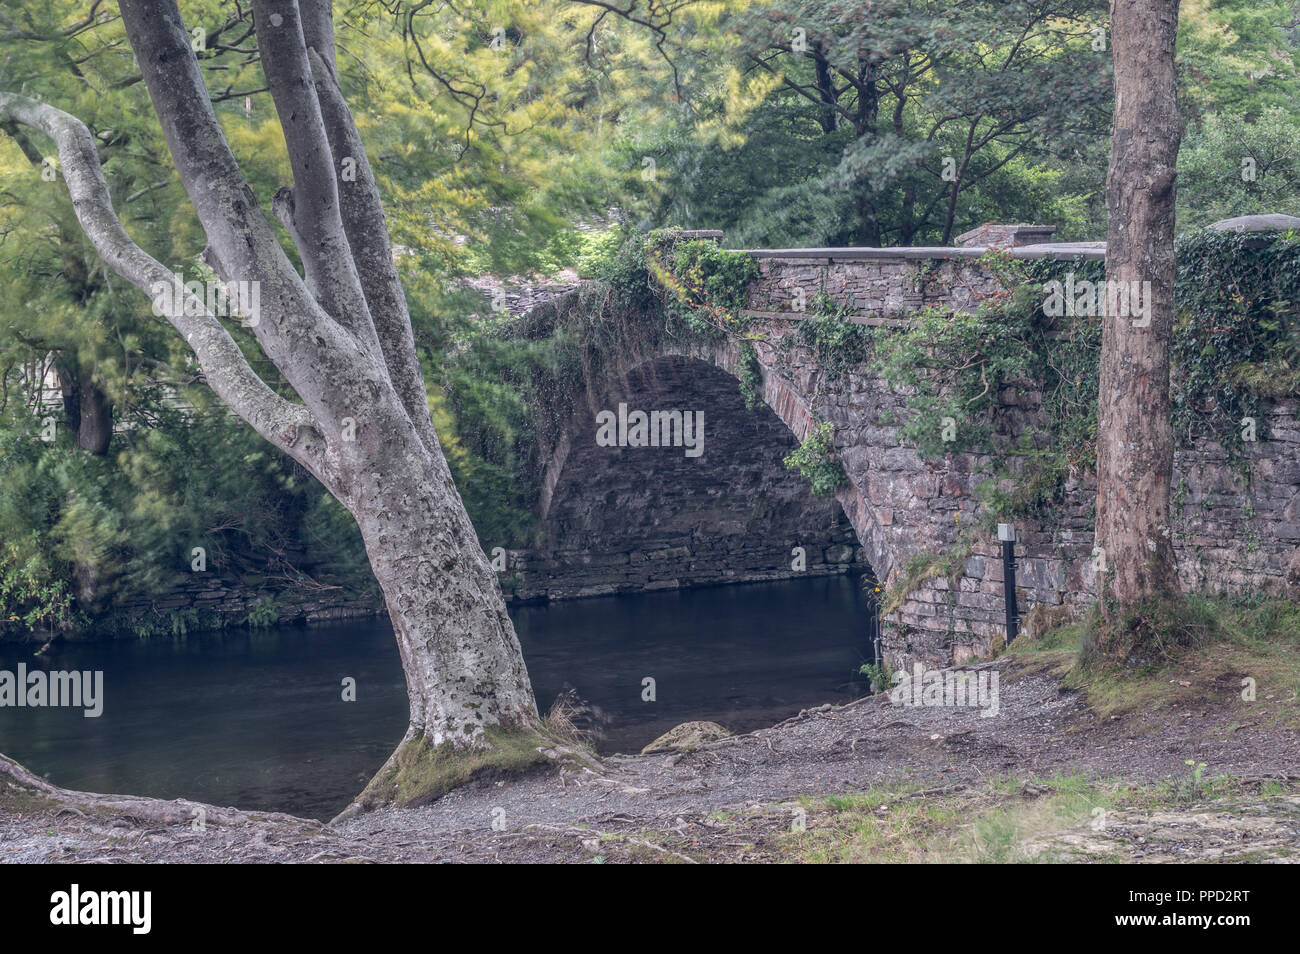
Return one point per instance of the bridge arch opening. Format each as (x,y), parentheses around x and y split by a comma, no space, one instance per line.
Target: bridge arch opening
(641,497)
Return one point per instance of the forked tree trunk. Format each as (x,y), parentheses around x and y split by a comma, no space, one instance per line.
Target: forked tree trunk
(341,336)
(1135,449)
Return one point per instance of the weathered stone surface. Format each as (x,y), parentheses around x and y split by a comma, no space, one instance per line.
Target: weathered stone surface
(991,234)
(215,600)
(627,519)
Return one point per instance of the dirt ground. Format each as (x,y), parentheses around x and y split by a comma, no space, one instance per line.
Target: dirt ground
(871,780)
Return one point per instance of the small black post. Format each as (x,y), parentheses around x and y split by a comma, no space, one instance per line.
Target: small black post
(1007,534)
(873,618)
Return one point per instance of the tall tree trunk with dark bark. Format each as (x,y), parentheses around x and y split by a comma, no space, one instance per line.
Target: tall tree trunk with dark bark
(87,408)
(1135,435)
(341,336)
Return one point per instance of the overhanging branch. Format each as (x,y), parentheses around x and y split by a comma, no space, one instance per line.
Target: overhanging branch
(287,425)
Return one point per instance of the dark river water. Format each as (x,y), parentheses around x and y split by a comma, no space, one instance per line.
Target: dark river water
(256,719)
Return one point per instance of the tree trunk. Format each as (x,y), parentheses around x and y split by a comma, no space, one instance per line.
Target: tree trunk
(463,665)
(88,410)
(340,334)
(471,703)
(95,430)
(1135,435)
(827,116)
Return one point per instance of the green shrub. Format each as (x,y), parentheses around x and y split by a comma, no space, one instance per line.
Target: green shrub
(817,461)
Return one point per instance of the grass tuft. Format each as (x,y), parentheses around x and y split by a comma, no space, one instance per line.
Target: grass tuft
(1151,632)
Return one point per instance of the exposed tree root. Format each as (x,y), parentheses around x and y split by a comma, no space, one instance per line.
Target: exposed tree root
(22,791)
(419,772)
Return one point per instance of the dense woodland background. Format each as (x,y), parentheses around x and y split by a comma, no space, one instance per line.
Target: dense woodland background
(529,140)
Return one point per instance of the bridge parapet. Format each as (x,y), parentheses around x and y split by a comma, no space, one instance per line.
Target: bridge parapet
(883,285)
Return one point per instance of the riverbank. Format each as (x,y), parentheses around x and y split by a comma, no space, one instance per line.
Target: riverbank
(216,605)
(871,780)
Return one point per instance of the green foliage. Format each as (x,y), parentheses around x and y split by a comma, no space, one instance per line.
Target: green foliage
(1229,167)
(879,676)
(32,595)
(835,153)
(518,177)
(84,534)
(837,344)
(1190,788)
(1237,332)
(1236,342)
(506,386)
(263,613)
(1151,632)
(705,285)
(923,566)
(817,461)
(751,377)
(1236,58)
(954,366)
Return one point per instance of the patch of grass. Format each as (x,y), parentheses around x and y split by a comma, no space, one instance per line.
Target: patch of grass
(1066,637)
(926,566)
(19,800)
(1011,819)
(1155,630)
(894,824)
(1005,833)
(1213,651)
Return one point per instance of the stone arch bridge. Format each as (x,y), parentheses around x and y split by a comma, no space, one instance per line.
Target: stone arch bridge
(627,518)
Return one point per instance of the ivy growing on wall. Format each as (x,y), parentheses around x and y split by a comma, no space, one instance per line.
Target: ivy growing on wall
(837,344)
(704,286)
(1236,342)
(1237,334)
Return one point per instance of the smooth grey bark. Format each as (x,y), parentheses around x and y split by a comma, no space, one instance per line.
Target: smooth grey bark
(1135,447)
(341,336)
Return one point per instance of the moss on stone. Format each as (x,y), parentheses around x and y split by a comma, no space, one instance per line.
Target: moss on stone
(922,567)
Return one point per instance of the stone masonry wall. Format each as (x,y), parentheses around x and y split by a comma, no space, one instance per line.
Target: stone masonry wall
(1238,529)
(213,600)
(886,286)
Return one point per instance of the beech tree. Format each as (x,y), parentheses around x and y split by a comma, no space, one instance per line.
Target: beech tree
(1135,447)
(340,334)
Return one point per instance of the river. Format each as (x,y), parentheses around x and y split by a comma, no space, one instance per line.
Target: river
(257,718)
